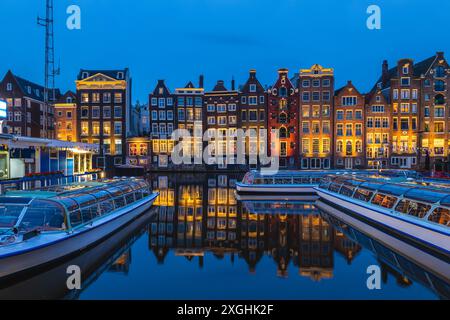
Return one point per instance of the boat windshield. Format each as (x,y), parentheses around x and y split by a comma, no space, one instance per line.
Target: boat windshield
(44,215)
(9,214)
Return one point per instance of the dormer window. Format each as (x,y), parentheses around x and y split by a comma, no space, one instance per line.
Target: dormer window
(120,75)
(69,100)
(9,86)
(405,69)
(37,92)
(84,75)
(379,85)
(29,89)
(439,72)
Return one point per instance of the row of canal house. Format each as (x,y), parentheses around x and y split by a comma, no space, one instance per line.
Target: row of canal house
(402,122)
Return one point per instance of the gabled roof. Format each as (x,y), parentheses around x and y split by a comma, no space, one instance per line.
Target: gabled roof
(33,90)
(161,84)
(219,86)
(348,85)
(420,69)
(68,94)
(252,79)
(189,85)
(110,73)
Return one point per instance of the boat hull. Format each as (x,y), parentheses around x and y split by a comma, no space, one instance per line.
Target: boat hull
(419,257)
(426,239)
(76,243)
(242,188)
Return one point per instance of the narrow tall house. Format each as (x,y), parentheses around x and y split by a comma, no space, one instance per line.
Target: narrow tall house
(378,127)
(162,124)
(434,114)
(103,113)
(349,128)
(253,118)
(189,117)
(66,117)
(316,88)
(221,125)
(283,112)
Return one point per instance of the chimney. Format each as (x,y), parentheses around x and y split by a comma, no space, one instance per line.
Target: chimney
(201,80)
(232,84)
(384,72)
(440,55)
(252,73)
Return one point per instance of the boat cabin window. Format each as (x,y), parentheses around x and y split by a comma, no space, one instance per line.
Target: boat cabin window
(347,190)
(440,216)
(334,187)
(119,202)
(90,213)
(44,215)
(106,206)
(413,208)
(418,209)
(129,197)
(384,201)
(363,194)
(9,215)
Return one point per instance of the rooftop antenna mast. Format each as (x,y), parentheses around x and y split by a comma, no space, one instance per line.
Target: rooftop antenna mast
(50,71)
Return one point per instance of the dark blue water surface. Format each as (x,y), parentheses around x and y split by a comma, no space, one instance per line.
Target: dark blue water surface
(201,243)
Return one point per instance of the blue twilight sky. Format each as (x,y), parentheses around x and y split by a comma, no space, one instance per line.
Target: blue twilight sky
(177,40)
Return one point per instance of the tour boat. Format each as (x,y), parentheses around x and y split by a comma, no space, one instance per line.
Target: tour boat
(418,214)
(285,182)
(303,182)
(38,228)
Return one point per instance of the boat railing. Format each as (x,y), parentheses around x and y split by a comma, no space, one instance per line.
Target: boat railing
(35,182)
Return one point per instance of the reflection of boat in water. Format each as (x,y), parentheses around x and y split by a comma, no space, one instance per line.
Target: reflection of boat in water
(43,227)
(283,206)
(401,256)
(51,283)
(418,214)
(278,197)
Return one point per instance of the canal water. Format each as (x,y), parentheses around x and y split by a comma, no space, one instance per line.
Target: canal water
(200,242)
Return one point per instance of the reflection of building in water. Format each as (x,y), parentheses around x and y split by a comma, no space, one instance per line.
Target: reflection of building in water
(315,247)
(192,216)
(190,222)
(221,233)
(162,226)
(253,237)
(122,264)
(346,247)
(281,233)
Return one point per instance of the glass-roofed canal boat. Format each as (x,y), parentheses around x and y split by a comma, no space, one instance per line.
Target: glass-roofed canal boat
(41,227)
(303,182)
(418,214)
